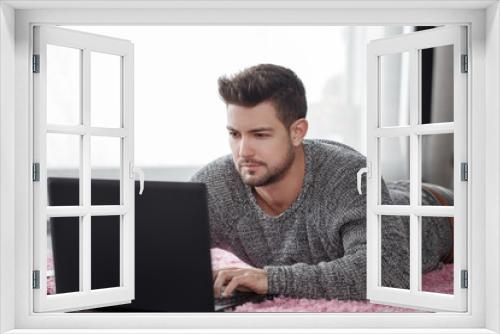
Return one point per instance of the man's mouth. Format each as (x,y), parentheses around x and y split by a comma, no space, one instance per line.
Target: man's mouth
(249,167)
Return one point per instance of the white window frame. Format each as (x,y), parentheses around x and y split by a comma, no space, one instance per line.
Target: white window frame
(84,211)
(16,18)
(456,37)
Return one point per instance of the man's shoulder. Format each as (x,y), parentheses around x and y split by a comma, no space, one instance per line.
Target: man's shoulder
(336,154)
(216,170)
(334,168)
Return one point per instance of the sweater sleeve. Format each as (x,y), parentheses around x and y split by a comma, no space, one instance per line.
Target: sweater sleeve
(345,277)
(342,278)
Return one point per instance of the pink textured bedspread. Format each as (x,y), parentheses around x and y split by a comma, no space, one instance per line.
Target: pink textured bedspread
(440,280)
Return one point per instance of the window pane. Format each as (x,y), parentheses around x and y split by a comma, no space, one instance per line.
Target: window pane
(105,258)
(63,85)
(65,236)
(394,163)
(437,254)
(437,84)
(437,169)
(63,161)
(394,89)
(395,251)
(105,90)
(105,170)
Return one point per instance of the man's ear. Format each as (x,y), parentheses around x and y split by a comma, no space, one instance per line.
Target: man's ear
(298,131)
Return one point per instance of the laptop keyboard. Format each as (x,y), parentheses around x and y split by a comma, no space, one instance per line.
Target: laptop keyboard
(239,298)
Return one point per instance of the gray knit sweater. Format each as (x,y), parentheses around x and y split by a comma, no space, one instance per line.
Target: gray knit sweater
(317,247)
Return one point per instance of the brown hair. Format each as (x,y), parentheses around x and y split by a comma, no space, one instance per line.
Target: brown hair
(267,82)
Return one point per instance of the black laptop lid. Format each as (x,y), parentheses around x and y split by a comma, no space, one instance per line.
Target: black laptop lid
(172,246)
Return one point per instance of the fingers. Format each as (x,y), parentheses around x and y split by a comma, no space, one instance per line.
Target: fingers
(223,276)
(215,272)
(241,279)
(234,283)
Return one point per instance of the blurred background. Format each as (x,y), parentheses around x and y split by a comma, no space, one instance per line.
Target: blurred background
(180,120)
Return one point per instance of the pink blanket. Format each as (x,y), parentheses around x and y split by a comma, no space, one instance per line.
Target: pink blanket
(440,280)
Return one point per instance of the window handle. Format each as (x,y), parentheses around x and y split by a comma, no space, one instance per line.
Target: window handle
(360,173)
(139,172)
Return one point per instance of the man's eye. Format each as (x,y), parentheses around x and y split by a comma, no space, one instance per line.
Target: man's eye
(233,134)
(261,135)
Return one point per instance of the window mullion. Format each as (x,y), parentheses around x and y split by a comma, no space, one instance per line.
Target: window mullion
(85,242)
(414,170)
(127,258)
(414,115)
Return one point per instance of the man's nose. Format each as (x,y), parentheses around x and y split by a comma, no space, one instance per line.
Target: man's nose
(246,149)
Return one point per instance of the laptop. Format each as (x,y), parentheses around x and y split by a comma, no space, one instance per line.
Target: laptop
(173,271)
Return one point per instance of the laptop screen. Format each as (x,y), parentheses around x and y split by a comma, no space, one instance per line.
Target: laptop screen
(172,246)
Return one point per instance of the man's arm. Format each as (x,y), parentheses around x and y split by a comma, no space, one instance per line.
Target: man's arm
(345,277)
(342,278)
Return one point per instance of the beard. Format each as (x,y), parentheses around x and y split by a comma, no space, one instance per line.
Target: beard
(272,175)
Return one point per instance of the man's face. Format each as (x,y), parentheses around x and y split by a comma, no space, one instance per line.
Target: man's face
(261,145)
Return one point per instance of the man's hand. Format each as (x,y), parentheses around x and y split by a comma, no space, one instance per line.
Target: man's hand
(241,279)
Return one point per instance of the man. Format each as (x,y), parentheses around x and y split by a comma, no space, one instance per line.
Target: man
(289,207)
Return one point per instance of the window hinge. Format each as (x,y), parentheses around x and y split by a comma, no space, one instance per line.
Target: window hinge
(465,64)
(464,171)
(36,279)
(36,172)
(36,63)
(464,279)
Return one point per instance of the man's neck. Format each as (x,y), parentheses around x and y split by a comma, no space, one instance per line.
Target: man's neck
(277,197)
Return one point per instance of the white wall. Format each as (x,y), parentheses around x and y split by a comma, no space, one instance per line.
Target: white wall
(492,213)
(7,167)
